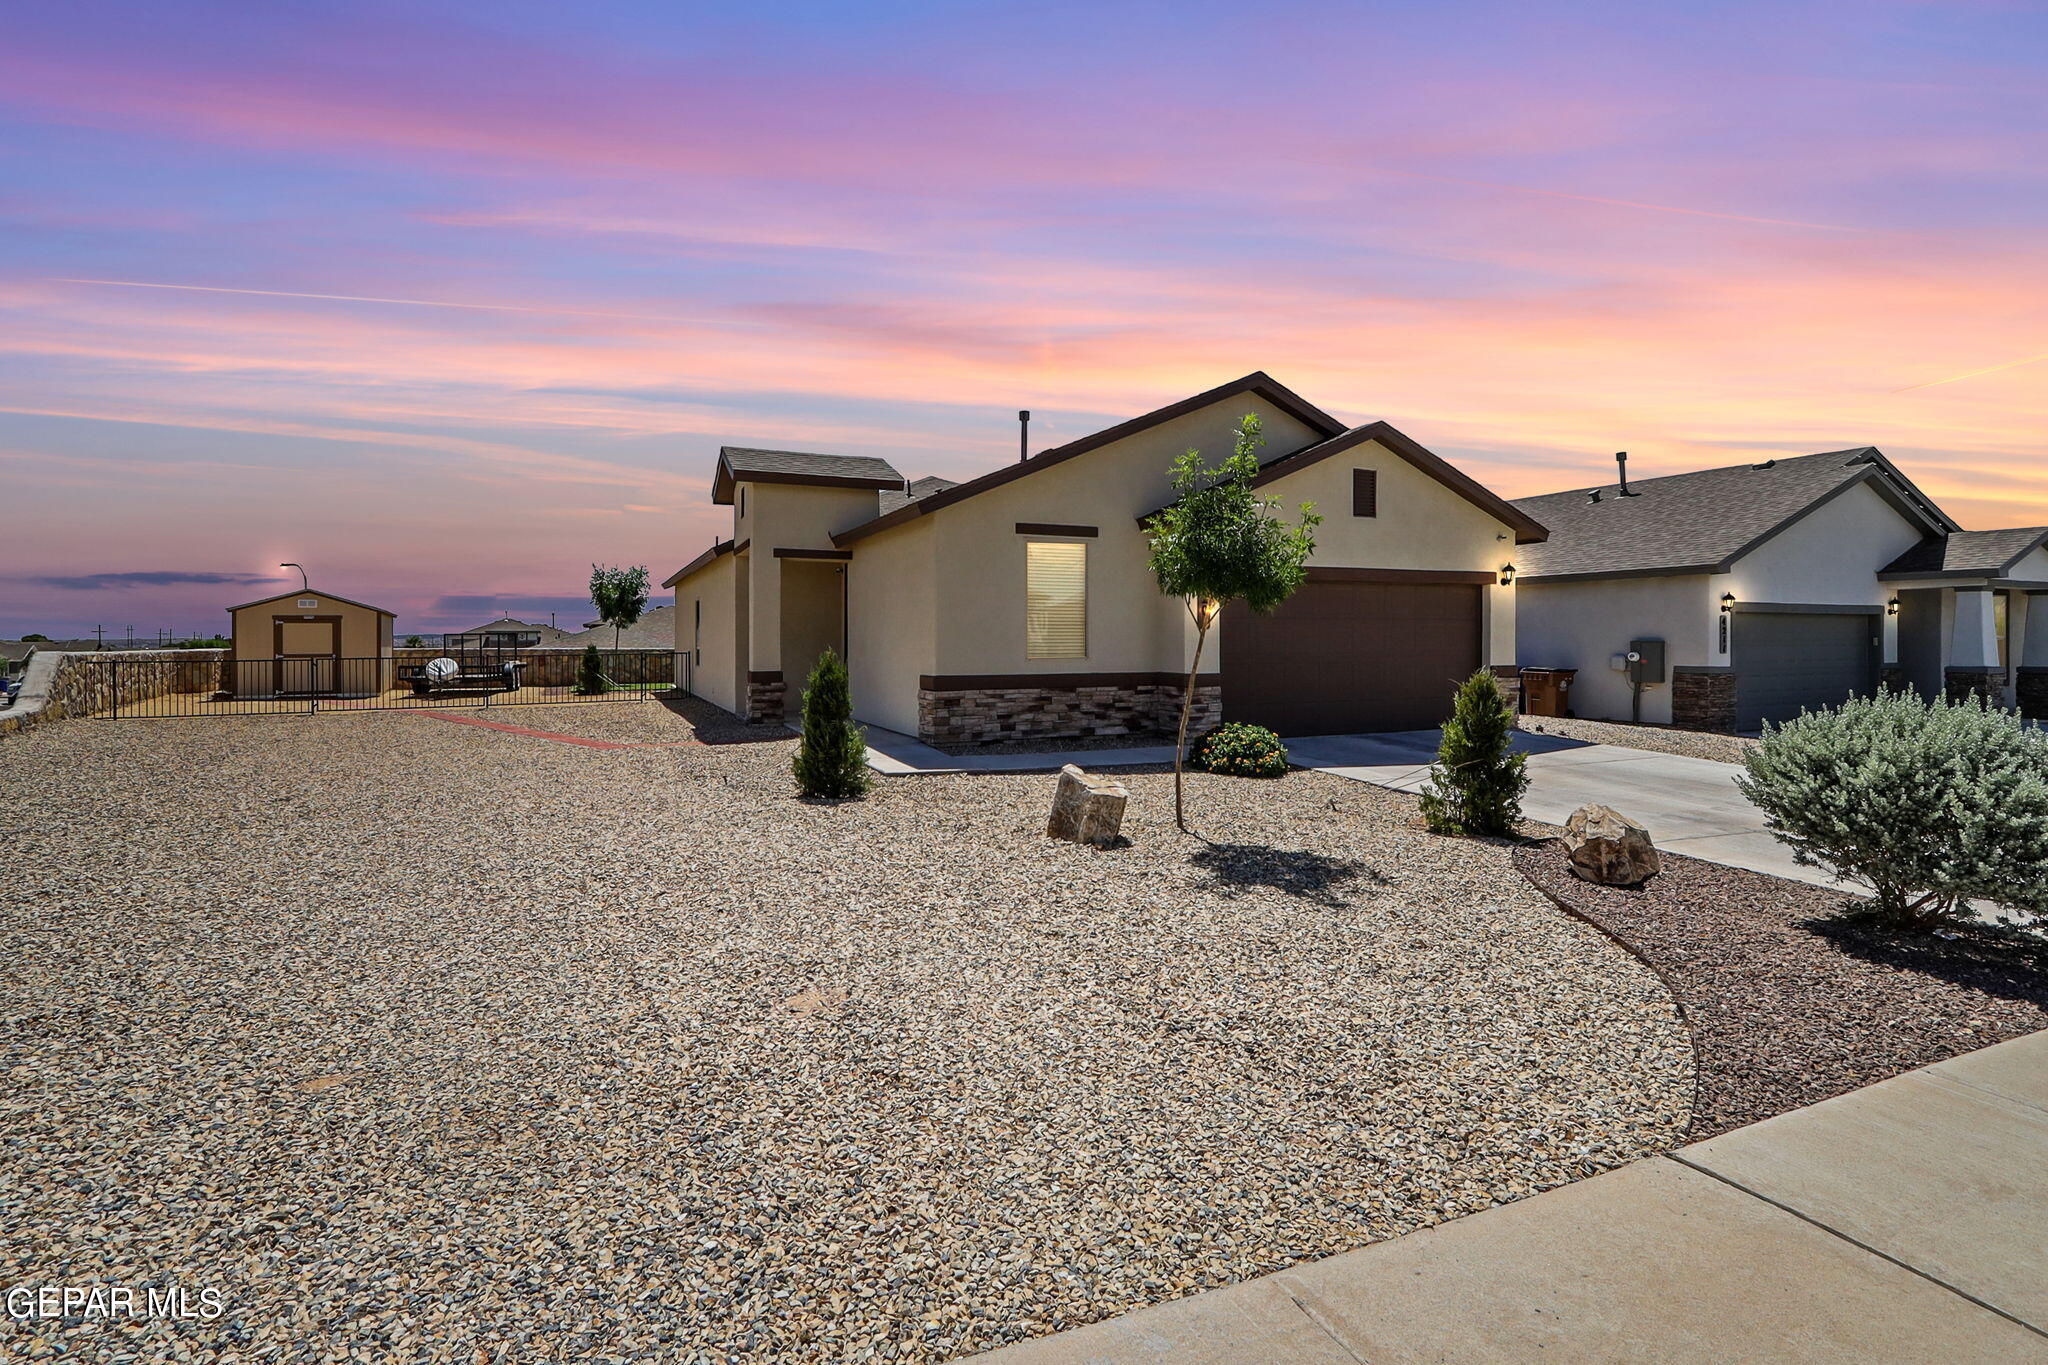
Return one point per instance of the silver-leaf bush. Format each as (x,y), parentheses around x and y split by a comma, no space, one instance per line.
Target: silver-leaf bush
(1932,804)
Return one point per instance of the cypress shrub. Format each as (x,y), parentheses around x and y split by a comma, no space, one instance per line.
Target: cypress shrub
(831,759)
(590,678)
(1476,784)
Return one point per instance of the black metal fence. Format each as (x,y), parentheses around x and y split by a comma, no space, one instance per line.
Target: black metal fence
(146,689)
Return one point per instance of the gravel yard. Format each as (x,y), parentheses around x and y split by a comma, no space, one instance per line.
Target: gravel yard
(1791,1002)
(1657,738)
(421,1040)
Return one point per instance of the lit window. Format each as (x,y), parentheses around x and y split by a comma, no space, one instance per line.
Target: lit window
(1056,600)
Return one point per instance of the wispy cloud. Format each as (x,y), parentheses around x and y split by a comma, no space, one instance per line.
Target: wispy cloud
(150,578)
(409,303)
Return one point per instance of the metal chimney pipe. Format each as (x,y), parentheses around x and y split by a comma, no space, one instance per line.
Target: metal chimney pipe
(1023,435)
(1621,458)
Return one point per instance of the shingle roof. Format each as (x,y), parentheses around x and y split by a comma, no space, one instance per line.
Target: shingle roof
(655,630)
(893,498)
(1987,553)
(1704,520)
(744,464)
(547,634)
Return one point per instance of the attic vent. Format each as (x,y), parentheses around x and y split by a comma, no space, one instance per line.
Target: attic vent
(1767,464)
(1593,496)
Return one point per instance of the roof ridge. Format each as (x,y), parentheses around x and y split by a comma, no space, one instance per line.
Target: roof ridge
(1635,482)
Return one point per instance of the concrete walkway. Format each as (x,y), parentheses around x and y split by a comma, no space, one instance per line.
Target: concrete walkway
(1900,1222)
(900,755)
(1689,805)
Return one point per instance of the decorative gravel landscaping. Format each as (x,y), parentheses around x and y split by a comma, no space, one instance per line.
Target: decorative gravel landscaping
(1790,1000)
(1657,738)
(420,1040)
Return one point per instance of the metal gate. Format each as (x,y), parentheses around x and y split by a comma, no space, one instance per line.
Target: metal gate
(165,688)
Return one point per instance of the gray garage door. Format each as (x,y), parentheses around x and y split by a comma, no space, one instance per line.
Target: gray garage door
(1789,661)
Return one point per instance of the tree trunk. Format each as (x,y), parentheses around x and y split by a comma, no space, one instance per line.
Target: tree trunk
(1187,704)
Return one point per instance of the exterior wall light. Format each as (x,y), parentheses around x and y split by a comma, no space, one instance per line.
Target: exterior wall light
(1727,603)
(1507,575)
(1891,608)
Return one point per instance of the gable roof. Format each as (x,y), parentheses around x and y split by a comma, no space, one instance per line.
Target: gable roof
(718,547)
(1528,530)
(893,498)
(1702,522)
(315,592)
(1967,554)
(512,623)
(1258,383)
(743,464)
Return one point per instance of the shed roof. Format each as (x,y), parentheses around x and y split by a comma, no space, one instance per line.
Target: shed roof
(1703,521)
(313,592)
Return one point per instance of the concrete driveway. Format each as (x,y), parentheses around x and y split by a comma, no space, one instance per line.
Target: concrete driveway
(1689,805)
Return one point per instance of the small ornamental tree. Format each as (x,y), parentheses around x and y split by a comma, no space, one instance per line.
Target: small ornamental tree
(831,758)
(414,642)
(1476,784)
(620,596)
(1220,542)
(1933,804)
(590,678)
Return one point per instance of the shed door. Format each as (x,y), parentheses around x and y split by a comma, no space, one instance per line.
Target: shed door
(308,655)
(1789,661)
(1337,658)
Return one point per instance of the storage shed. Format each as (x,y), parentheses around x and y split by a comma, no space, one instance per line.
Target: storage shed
(308,643)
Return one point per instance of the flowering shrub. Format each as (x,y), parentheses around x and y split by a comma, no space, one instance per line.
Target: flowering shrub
(1239,750)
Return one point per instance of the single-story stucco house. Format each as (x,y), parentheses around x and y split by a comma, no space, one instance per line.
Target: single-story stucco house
(1777,586)
(1019,604)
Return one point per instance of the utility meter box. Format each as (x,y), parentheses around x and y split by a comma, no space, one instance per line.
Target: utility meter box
(1645,662)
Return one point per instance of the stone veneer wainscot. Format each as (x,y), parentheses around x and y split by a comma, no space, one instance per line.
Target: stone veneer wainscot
(1118,706)
(1703,698)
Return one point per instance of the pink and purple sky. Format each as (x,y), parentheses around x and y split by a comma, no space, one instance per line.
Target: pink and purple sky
(448,301)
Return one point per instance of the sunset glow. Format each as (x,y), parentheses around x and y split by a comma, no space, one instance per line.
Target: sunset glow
(448,302)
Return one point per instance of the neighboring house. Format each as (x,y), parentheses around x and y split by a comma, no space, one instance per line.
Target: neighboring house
(507,633)
(656,629)
(1776,586)
(1019,604)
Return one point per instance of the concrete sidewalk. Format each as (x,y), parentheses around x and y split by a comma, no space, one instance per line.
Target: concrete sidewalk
(1904,1221)
(1689,805)
(900,755)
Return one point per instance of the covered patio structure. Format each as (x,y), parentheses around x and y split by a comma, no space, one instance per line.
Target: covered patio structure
(1972,610)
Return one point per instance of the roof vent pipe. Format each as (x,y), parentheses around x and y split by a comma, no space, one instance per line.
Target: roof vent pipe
(1593,496)
(1023,435)
(1621,458)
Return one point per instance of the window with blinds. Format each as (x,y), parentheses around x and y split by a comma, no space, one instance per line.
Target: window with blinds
(1055,600)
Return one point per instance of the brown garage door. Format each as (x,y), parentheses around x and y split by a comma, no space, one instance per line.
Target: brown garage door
(1339,657)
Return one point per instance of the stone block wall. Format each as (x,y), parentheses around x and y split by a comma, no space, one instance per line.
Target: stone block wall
(1893,678)
(993,715)
(1703,699)
(2033,691)
(63,686)
(767,697)
(1988,683)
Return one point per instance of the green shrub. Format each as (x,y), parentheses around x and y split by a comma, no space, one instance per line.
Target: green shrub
(1476,784)
(1239,750)
(1932,804)
(831,759)
(590,678)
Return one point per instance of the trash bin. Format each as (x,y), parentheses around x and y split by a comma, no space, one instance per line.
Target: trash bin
(1547,691)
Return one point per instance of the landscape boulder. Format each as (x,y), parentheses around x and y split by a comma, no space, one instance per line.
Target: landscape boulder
(1086,810)
(1607,847)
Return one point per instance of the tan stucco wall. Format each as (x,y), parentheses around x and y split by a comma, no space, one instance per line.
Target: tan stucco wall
(1131,628)
(892,594)
(1421,525)
(365,634)
(712,671)
(812,609)
(1583,625)
(792,517)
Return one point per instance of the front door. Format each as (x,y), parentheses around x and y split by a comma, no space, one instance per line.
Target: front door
(308,654)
